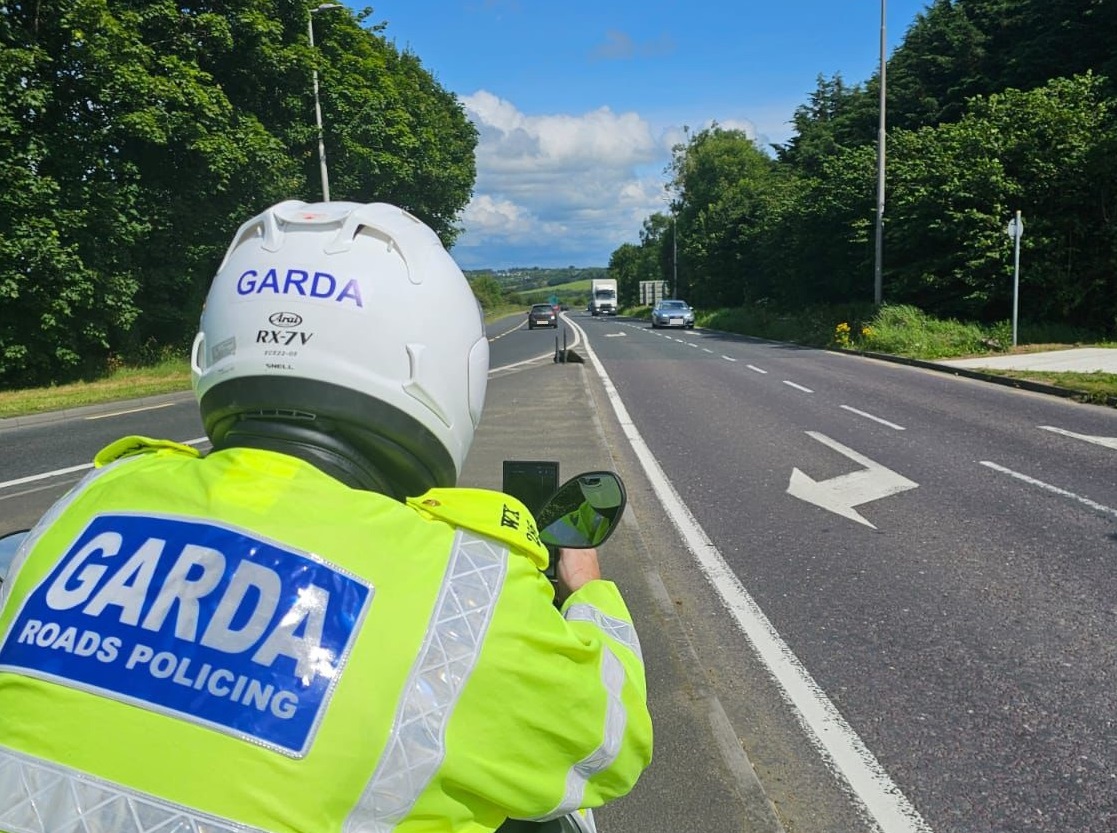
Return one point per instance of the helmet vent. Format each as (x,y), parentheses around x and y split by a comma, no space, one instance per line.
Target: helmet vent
(282,413)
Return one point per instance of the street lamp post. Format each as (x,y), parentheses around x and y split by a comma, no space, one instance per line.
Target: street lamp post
(674,256)
(878,275)
(317,104)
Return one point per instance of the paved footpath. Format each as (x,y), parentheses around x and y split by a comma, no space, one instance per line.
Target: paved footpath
(1076,359)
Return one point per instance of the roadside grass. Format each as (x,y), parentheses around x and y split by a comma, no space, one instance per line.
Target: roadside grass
(504,310)
(573,294)
(571,286)
(170,375)
(1098,388)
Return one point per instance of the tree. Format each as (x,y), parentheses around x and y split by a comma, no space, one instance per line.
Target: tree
(657,244)
(818,246)
(950,196)
(816,126)
(397,135)
(138,136)
(721,178)
(626,268)
(487,291)
(939,65)
(1047,152)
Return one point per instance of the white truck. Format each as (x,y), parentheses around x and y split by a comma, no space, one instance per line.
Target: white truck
(603,297)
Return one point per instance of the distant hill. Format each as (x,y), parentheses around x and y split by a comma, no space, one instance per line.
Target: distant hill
(538,277)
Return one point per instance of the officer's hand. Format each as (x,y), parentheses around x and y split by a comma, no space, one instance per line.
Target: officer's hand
(575,568)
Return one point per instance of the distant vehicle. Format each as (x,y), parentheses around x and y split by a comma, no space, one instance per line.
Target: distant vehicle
(603,296)
(672,313)
(542,315)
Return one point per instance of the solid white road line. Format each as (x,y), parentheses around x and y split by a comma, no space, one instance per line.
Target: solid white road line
(548,354)
(19,481)
(130,411)
(838,745)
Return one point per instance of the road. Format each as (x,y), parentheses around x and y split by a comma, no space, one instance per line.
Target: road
(896,584)
(935,555)
(43,458)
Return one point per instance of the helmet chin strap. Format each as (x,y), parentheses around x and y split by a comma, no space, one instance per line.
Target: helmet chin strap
(329,453)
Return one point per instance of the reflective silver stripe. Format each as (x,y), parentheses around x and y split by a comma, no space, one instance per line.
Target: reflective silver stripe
(37,796)
(617,629)
(416,747)
(612,675)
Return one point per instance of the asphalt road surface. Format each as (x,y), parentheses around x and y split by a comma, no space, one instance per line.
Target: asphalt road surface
(934,554)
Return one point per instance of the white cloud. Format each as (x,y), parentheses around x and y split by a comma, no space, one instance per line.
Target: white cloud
(558,189)
(566,189)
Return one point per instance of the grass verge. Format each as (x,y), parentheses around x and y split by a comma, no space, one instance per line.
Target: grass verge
(169,376)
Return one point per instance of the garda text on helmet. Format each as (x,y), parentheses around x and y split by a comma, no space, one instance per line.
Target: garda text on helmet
(198,621)
(296,283)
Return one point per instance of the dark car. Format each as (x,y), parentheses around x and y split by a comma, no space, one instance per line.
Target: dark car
(673,313)
(542,315)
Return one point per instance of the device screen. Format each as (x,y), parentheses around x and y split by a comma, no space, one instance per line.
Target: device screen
(532,482)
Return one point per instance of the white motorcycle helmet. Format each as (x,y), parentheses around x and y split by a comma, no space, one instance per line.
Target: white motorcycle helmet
(344,334)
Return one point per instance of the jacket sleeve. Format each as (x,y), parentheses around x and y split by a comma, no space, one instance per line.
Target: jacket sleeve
(598,615)
(555,715)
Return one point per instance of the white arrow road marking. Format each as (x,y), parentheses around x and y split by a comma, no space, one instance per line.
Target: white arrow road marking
(840,748)
(840,494)
(1108,442)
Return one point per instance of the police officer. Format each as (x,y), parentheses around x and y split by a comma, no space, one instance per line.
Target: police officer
(309,629)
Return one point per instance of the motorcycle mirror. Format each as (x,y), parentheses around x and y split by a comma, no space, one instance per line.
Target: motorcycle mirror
(584,511)
(9,546)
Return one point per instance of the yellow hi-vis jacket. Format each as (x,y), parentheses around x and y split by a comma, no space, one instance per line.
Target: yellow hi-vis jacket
(241,643)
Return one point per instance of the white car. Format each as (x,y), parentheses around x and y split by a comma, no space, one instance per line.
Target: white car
(672,314)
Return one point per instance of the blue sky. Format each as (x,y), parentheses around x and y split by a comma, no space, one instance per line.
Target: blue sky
(578,102)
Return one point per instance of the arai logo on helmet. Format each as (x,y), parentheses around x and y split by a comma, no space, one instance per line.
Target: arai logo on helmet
(321,285)
(285,319)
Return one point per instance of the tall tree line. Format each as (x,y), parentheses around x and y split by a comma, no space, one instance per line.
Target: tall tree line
(136,135)
(993,106)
